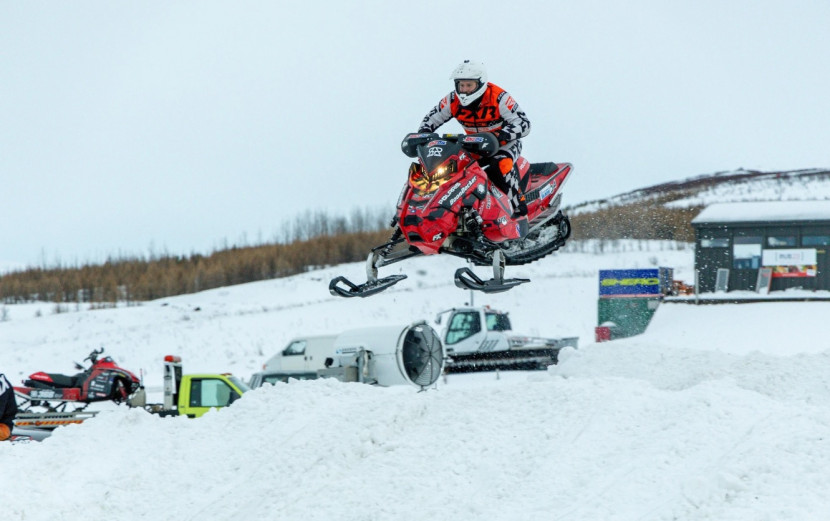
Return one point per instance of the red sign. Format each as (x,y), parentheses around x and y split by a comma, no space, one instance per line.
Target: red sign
(794,271)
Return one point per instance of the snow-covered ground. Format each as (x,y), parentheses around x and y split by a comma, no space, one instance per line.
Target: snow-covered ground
(716,412)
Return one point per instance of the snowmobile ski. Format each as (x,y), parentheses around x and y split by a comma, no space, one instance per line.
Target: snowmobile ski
(362,290)
(466,279)
(379,256)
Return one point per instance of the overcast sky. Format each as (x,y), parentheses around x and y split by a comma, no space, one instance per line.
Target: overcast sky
(135,127)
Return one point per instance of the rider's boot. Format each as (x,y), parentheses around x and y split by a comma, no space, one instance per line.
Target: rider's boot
(515,194)
(502,172)
(520,206)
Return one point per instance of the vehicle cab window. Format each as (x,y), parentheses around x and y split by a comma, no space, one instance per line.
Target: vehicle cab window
(462,326)
(211,392)
(295,348)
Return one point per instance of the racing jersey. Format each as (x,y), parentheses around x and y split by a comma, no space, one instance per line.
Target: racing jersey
(496,112)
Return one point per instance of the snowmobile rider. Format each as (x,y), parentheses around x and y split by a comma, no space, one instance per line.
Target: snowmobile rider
(480,106)
(8,408)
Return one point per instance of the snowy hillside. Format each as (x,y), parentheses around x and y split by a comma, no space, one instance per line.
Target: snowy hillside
(723,187)
(716,412)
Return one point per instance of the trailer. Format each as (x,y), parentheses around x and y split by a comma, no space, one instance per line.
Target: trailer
(410,354)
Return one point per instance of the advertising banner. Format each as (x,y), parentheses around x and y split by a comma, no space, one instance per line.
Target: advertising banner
(791,262)
(629,283)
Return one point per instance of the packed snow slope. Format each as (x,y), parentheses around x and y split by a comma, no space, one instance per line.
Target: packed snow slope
(716,412)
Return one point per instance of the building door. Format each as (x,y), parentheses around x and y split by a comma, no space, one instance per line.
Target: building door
(712,253)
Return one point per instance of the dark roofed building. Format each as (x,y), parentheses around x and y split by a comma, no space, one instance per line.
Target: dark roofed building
(791,238)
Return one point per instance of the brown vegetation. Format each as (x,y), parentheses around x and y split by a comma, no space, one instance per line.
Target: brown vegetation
(142,279)
(313,240)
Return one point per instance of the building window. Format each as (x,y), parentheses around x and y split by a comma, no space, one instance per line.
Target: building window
(781,241)
(815,240)
(746,253)
(716,242)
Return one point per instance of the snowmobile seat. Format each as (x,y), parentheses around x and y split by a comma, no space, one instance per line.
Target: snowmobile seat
(543,168)
(60,381)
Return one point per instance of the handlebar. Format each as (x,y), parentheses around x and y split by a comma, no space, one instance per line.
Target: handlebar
(93,356)
(482,143)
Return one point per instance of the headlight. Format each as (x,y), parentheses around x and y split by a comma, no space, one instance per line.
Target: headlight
(426,183)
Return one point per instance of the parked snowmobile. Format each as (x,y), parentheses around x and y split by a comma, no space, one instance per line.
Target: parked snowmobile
(450,206)
(102,380)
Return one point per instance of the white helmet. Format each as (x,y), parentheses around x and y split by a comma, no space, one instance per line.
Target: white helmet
(470,71)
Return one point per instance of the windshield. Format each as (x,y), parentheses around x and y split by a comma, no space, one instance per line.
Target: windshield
(437,153)
(242,386)
(426,183)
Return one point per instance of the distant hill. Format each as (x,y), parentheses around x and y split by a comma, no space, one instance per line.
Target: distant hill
(665,211)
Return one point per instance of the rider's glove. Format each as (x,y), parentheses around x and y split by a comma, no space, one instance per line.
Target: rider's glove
(503,137)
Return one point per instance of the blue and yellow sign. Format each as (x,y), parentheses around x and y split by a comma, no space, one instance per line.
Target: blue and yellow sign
(629,283)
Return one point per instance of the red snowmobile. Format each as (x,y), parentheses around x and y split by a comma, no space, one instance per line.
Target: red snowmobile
(102,380)
(450,206)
